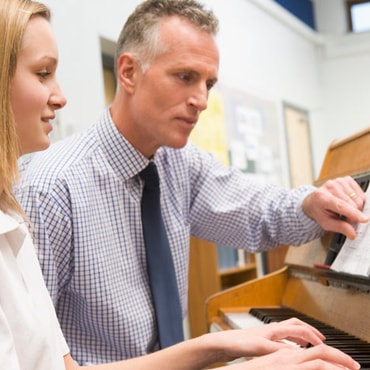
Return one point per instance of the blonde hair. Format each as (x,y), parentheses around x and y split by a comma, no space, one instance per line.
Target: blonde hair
(14,16)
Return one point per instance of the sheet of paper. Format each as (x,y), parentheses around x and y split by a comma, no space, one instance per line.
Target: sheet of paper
(354,257)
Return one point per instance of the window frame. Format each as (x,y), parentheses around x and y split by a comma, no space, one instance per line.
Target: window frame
(349,5)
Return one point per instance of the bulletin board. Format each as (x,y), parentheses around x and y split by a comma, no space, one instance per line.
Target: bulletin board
(242,130)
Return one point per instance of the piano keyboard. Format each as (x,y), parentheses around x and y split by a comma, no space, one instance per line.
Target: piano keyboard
(358,349)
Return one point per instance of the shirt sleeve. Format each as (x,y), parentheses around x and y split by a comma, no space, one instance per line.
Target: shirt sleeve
(231,209)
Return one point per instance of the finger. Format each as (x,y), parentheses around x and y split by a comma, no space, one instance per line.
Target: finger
(301,334)
(332,213)
(345,222)
(329,354)
(269,346)
(339,224)
(342,227)
(346,189)
(355,197)
(301,337)
(356,188)
(338,187)
(295,321)
(305,359)
(336,214)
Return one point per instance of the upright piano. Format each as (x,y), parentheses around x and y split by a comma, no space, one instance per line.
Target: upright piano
(337,303)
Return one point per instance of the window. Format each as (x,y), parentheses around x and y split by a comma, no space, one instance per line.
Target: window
(358,13)
(109,78)
(302,9)
(107,52)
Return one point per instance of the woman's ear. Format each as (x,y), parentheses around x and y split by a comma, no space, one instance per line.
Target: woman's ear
(127,72)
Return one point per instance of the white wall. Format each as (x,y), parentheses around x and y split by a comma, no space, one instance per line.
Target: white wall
(264,51)
(267,52)
(345,63)
(78,25)
(330,16)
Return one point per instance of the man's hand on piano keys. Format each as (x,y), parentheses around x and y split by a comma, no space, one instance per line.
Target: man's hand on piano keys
(320,357)
(337,206)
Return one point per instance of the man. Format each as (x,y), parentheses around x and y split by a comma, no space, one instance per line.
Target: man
(83,195)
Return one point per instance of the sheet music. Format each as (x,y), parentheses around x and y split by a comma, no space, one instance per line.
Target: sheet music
(354,257)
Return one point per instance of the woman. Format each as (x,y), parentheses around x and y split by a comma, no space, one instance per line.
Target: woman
(30,336)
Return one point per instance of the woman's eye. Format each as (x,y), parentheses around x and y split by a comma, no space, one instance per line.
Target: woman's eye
(44,74)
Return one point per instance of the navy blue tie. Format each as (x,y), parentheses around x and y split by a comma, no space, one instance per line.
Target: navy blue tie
(160,267)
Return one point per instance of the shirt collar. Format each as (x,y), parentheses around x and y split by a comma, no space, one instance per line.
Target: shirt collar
(8,222)
(121,155)
(12,225)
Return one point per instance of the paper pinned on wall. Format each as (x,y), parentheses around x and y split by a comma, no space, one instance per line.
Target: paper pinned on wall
(354,257)
(210,132)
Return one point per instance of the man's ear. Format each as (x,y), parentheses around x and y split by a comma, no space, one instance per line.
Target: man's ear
(127,72)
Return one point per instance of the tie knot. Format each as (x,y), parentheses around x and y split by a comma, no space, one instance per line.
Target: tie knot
(150,175)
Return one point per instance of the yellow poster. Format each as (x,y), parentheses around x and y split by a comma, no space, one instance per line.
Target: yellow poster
(210,133)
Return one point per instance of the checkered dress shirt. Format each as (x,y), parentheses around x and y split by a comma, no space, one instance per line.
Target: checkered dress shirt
(83,199)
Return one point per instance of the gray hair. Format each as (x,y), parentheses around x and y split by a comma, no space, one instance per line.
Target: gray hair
(139,35)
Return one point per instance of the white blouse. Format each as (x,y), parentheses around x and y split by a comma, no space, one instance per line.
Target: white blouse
(30,335)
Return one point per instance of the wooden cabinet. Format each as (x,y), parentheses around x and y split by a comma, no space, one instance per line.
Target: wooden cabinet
(275,258)
(205,279)
(238,275)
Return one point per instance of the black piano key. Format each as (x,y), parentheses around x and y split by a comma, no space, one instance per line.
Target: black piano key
(355,347)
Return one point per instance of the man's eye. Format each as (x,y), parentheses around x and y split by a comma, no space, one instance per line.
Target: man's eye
(210,85)
(184,76)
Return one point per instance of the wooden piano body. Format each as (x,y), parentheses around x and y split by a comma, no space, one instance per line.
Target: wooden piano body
(339,300)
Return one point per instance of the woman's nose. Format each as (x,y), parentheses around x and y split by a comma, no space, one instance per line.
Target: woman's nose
(57,98)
